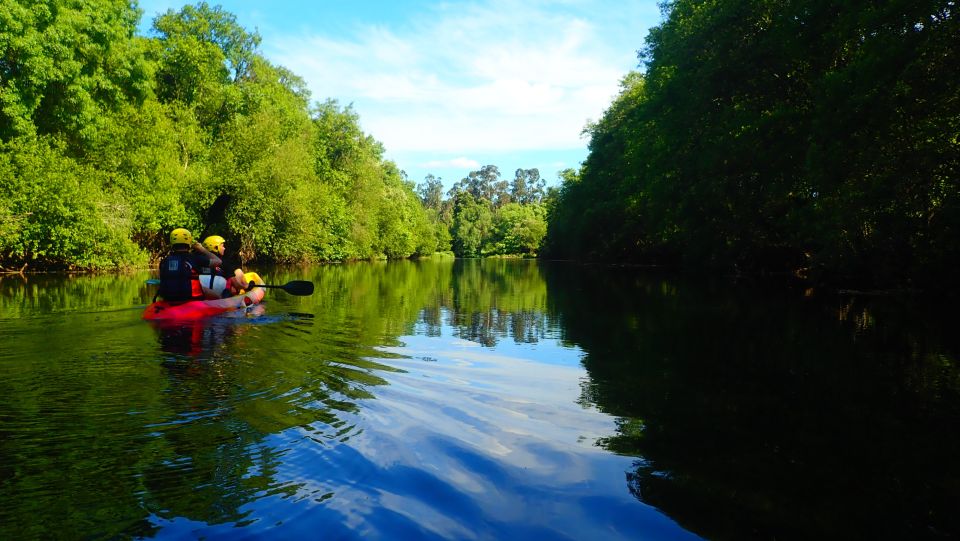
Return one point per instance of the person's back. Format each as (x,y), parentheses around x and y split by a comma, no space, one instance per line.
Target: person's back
(179,271)
(177,278)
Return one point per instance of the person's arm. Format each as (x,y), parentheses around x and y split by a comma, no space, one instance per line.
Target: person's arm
(238,276)
(214,260)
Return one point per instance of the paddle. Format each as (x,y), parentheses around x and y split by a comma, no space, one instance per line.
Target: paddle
(295,287)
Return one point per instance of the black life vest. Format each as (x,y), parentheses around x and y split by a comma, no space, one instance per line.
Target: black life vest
(179,279)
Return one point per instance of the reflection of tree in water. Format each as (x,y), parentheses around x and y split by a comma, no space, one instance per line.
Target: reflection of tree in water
(431,318)
(486,328)
(760,414)
(495,299)
(23,295)
(200,462)
(484,300)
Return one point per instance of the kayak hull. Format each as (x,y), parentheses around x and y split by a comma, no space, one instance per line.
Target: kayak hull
(164,310)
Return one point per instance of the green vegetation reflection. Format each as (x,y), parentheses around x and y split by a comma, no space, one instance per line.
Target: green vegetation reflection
(756,412)
(197,421)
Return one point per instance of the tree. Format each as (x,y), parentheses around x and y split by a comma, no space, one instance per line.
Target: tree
(57,214)
(201,25)
(527,186)
(806,137)
(64,67)
(481,184)
(519,229)
(108,141)
(431,192)
(472,224)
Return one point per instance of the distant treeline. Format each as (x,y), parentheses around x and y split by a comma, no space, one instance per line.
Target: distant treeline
(109,140)
(485,215)
(819,138)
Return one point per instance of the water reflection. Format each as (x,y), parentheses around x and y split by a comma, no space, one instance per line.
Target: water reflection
(485,301)
(457,399)
(757,413)
(30,295)
(196,338)
(111,427)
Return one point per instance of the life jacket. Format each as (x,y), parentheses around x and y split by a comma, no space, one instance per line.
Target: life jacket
(179,279)
(215,271)
(214,286)
(216,281)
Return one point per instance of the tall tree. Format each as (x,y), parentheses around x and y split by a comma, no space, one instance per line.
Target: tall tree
(431,192)
(527,186)
(481,184)
(201,25)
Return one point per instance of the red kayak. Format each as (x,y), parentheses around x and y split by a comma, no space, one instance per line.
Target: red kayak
(164,310)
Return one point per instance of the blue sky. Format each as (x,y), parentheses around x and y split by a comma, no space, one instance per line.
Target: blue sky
(448,87)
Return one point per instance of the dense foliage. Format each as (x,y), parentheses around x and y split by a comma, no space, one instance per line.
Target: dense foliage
(485,215)
(806,136)
(109,140)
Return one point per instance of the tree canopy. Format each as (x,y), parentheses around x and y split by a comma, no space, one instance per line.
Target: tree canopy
(109,140)
(819,138)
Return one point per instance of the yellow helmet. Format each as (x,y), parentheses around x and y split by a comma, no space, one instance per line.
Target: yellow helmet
(213,242)
(181,236)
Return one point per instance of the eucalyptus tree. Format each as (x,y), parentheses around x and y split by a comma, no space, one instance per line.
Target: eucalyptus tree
(527,186)
(431,192)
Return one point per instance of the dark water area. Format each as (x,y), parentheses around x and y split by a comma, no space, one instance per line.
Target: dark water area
(447,399)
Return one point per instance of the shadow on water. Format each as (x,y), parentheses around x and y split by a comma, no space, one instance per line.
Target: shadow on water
(757,413)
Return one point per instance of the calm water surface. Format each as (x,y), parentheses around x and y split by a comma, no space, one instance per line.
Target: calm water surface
(478,400)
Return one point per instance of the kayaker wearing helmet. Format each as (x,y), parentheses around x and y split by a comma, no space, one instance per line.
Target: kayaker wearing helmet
(216,280)
(180,271)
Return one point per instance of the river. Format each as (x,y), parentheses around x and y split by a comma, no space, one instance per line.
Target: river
(468,399)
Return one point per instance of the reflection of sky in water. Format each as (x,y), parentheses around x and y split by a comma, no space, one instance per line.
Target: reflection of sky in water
(238,432)
(468,442)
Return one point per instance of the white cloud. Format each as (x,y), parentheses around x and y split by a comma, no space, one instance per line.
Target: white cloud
(497,75)
(465,163)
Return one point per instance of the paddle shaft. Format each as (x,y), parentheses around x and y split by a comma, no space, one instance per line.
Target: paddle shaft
(295,287)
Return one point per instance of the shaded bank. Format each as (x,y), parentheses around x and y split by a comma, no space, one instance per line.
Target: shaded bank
(758,413)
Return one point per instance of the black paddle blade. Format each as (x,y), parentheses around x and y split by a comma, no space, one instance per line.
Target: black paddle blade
(295,287)
(298,287)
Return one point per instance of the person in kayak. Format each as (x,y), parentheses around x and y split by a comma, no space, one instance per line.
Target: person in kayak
(180,271)
(224,279)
